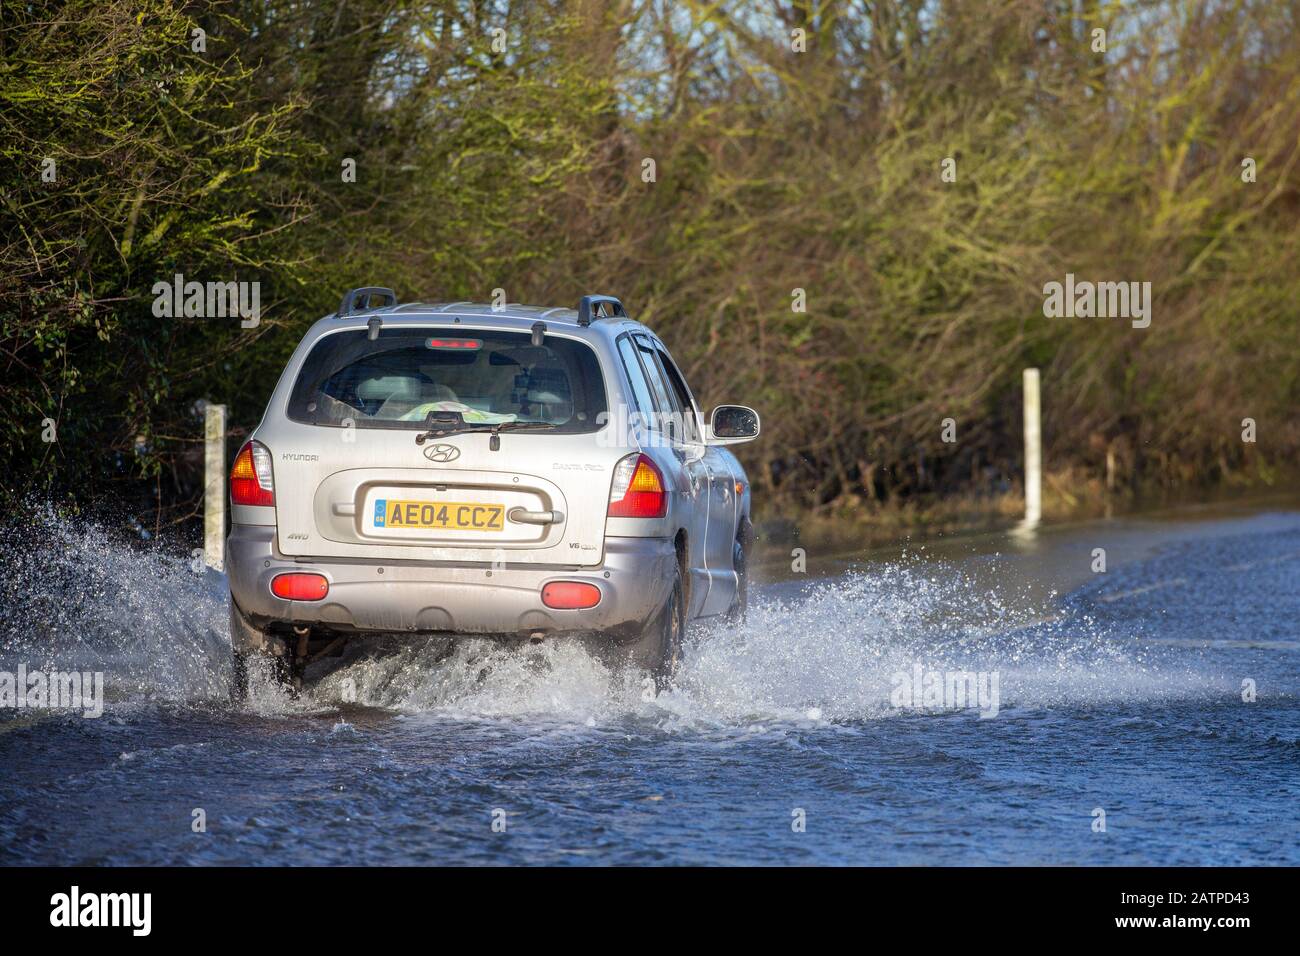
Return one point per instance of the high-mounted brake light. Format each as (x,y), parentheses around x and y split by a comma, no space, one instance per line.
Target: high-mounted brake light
(457,345)
(637,490)
(250,477)
(297,586)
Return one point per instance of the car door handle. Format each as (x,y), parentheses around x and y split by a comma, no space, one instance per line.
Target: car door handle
(520,516)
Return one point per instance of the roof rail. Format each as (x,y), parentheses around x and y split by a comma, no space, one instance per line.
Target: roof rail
(359,300)
(589,308)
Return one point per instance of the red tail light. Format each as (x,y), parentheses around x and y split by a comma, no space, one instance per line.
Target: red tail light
(638,489)
(570,595)
(250,477)
(297,586)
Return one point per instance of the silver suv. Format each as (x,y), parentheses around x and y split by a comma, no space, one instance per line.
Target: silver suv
(462,469)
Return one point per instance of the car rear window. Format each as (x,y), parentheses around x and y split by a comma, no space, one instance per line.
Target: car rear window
(399,378)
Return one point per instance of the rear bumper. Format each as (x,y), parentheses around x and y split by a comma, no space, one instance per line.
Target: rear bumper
(379,596)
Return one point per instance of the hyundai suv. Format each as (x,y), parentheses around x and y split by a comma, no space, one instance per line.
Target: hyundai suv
(461,469)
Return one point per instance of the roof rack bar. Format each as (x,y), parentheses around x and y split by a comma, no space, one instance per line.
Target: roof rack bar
(360,300)
(451,305)
(589,308)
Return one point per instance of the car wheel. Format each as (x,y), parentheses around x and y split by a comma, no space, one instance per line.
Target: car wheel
(238,677)
(659,650)
(739,561)
(252,650)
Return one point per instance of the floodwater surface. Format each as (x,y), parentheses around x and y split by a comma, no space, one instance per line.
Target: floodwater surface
(1147,714)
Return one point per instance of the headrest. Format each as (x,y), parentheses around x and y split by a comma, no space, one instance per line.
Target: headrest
(407,388)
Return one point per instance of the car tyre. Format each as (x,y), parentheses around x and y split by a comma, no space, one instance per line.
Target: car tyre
(740,561)
(659,649)
(249,648)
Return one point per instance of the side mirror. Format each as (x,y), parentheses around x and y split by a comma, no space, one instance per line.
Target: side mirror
(731,425)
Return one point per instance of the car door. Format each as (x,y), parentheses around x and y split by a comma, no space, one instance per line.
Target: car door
(673,454)
(720,522)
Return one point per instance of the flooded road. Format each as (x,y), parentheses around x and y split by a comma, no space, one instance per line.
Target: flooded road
(1120,699)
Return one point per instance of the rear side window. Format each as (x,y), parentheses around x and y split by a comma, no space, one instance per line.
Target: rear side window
(677,412)
(396,380)
(678,385)
(640,387)
(662,402)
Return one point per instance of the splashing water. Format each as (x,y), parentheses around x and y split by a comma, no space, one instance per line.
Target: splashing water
(72,596)
(842,648)
(1128,694)
(75,596)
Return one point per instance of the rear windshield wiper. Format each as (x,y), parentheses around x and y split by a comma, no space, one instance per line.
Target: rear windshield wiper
(442,424)
(494,442)
(522,426)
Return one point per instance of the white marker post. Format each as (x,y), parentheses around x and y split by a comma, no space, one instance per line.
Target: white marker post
(1033,450)
(214,485)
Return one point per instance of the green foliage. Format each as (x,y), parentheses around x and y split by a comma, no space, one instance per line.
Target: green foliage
(480,169)
(151,154)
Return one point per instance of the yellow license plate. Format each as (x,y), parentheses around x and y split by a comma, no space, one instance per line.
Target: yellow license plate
(439,515)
